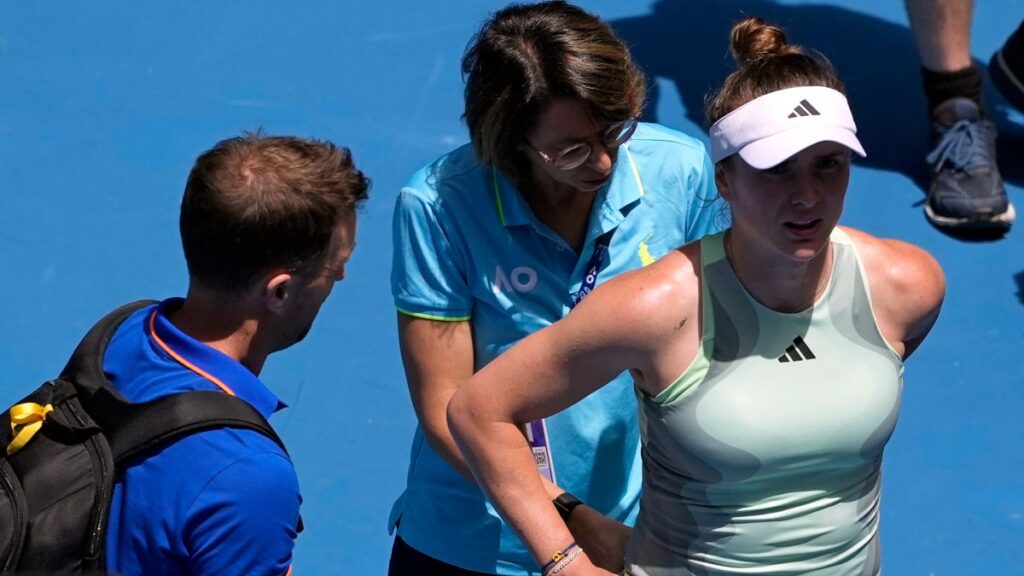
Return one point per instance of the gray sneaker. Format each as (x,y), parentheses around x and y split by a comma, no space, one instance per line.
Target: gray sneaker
(967,192)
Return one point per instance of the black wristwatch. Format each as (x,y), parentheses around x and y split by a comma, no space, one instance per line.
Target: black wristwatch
(565,504)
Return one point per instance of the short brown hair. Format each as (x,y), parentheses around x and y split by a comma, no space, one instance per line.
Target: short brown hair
(255,202)
(767,63)
(527,55)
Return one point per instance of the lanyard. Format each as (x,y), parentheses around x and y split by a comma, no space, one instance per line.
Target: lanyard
(593,267)
(537,431)
(181,360)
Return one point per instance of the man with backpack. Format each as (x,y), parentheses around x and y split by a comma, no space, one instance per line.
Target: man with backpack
(267,226)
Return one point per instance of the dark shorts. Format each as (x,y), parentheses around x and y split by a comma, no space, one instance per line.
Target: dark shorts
(408,561)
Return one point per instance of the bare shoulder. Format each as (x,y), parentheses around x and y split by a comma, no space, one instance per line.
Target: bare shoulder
(907,285)
(897,268)
(671,278)
(652,301)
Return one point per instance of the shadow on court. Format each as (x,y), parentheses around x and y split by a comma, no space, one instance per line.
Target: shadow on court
(687,42)
(1019,279)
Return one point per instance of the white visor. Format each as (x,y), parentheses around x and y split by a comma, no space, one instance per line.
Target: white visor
(769,129)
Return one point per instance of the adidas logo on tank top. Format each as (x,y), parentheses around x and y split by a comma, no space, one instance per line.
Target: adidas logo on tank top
(797,351)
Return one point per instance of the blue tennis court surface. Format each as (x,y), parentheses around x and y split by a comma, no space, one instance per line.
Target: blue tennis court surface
(103,108)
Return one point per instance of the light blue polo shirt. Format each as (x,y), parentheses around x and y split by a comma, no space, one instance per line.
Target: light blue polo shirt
(219,502)
(468,248)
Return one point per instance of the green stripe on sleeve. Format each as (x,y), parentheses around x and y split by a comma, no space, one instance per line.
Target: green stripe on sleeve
(431,317)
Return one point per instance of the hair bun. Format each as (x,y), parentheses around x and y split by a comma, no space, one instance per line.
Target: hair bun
(754,39)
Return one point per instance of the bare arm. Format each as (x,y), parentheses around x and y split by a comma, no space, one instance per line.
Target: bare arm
(524,384)
(617,327)
(438,359)
(907,287)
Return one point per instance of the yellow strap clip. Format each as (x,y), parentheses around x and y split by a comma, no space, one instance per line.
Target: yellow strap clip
(26,420)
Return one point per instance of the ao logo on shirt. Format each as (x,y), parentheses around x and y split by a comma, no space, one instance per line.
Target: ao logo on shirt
(520,279)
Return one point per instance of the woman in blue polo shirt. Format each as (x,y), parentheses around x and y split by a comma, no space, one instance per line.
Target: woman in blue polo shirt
(560,190)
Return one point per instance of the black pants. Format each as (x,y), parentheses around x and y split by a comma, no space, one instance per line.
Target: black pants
(408,561)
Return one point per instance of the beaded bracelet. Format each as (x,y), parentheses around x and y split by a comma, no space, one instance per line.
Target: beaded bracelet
(558,557)
(558,567)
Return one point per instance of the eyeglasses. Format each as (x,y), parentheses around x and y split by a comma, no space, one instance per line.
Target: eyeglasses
(575,155)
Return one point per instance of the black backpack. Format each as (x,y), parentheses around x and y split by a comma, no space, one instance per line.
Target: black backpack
(55,490)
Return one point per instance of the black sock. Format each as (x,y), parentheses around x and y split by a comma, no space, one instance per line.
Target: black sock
(941,86)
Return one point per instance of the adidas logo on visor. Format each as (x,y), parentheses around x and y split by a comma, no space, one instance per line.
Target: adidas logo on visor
(804,109)
(797,351)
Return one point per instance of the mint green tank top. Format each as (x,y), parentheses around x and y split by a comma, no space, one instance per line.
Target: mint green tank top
(764,456)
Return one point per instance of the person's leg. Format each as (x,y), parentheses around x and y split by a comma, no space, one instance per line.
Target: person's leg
(408,561)
(966,191)
(942,32)
(1007,68)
